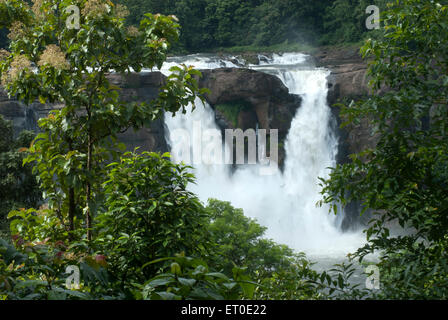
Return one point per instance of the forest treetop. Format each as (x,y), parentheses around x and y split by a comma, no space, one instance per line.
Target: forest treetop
(214,24)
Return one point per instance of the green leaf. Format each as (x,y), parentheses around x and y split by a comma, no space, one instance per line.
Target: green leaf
(187,282)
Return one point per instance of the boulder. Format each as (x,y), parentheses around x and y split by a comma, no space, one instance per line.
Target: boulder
(267,101)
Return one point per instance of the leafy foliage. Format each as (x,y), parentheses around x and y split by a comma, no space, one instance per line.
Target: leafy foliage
(18,186)
(244,25)
(232,110)
(37,272)
(239,241)
(404,179)
(278,272)
(73,152)
(191,279)
(345,21)
(148,214)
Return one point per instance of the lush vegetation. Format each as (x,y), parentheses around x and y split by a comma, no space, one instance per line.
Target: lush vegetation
(260,24)
(127,221)
(73,153)
(404,179)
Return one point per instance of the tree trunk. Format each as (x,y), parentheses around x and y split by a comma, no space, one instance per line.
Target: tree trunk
(88,185)
(71,211)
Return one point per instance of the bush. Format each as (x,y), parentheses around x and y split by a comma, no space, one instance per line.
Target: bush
(403,179)
(18,185)
(148,214)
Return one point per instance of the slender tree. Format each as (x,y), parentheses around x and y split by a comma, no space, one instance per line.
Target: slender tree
(62,52)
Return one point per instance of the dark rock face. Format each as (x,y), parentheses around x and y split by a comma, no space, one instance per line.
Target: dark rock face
(134,87)
(22,117)
(270,104)
(348,77)
(142,87)
(348,80)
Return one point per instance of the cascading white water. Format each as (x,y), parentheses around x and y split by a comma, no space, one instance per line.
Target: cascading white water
(283,202)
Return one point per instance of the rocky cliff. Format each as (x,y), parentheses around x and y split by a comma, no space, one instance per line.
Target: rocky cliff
(348,77)
(143,86)
(348,80)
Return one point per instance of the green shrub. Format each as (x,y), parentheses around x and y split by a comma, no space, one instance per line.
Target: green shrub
(18,185)
(148,214)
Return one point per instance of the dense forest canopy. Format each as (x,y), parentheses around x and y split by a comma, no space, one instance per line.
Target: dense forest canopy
(212,24)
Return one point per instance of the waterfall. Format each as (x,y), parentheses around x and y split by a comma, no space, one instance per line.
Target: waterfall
(283,202)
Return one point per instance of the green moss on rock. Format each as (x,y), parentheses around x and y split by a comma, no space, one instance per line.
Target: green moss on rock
(231,110)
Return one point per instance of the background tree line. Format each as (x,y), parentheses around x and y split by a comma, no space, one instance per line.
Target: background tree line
(212,24)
